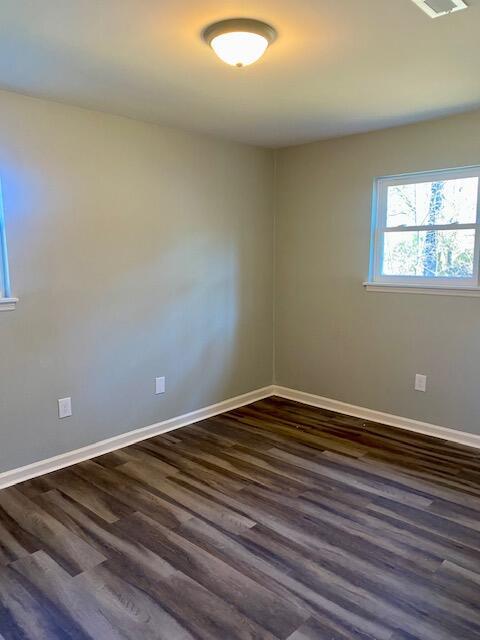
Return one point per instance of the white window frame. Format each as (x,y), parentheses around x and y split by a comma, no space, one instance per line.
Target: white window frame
(379,229)
(7,302)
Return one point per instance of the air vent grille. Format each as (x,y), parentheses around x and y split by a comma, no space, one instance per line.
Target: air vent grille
(438,8)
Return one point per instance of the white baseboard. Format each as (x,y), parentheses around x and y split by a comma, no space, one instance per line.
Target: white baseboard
(9,478)
(445,433)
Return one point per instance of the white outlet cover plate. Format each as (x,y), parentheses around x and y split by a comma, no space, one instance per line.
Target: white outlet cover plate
(420,382)
(160,385)
(64,407)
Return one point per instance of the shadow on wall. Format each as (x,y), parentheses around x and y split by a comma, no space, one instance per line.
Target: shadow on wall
(176,315)
(100,322)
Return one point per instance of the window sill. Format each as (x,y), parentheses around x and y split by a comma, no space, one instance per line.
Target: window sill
(436,290)
(8,304)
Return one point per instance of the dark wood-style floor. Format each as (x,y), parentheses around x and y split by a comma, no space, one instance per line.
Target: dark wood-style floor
(273,521)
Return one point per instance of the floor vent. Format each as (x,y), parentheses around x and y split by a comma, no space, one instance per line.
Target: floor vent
(437,8)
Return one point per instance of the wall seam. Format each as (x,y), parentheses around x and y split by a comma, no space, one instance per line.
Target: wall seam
(274,267)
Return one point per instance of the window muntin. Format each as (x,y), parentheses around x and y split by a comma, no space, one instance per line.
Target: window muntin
(427,229)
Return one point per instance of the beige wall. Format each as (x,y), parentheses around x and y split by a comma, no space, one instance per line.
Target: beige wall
(337,340)
(136,251)
(139,251)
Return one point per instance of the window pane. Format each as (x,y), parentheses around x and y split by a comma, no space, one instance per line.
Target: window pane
(431,254)
(428,203)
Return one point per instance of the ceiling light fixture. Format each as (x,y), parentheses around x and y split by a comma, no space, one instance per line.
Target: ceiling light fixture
(239,41)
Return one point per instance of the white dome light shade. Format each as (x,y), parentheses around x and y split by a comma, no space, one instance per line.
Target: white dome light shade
(239,48)
(239,41)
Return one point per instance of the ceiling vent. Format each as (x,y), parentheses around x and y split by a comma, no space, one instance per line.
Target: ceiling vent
(437,8)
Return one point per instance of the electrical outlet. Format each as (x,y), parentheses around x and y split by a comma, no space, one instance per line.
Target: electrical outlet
(420,382)
(64,407)
(159,385)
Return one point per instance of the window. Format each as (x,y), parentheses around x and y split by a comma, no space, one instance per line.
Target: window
(426,230)
(6,301)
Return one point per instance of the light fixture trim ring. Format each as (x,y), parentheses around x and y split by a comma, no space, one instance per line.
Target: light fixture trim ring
(247,25)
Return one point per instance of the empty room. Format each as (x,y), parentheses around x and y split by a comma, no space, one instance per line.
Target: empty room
(240,320)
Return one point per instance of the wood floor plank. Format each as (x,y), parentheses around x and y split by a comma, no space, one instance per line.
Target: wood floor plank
(186,462)
(315,629)
(274,521)
(459,582)
(416,483)
(75,609)
(15,542)
(205,615)
(264,565)
(129,608)
(131,493)
(24,616)
(331,513)
(72,552)
(340,472)
(398,599)
(221,578)
(104,505)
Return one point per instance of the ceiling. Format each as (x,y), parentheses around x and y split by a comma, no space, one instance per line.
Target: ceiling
(338,66)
